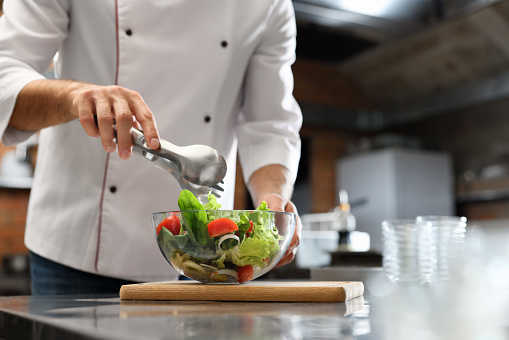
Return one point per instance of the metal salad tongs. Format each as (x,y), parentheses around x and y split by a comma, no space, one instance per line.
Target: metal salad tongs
(197,168)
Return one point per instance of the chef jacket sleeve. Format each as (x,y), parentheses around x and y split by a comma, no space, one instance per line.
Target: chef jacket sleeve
(271,117)
(31,32)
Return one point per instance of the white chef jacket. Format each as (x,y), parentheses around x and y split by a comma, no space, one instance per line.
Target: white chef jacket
(227,60)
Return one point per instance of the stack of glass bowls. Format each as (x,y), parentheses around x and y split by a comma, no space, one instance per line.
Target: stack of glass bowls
(447,237)
(422,250)
(406,255)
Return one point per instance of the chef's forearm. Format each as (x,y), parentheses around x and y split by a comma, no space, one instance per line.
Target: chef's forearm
(271,179)
(43,103)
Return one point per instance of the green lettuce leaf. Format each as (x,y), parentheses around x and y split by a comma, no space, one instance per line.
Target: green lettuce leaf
(243,224)
(262,244)
(175,241)
(168,242)
(212,203)
(260,215)
(263,206)
(195,222)
(212,207)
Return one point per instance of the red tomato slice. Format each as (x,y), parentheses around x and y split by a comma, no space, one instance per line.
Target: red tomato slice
(221,226)
(245,273)
(250,230)
(172,223)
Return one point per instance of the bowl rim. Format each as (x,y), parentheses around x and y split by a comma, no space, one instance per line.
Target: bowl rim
(236,210)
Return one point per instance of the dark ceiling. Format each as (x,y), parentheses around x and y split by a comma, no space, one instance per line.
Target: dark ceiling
(315,42)
(337,30)
(443,56)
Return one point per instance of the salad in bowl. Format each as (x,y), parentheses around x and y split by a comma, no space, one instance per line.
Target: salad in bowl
(210,245)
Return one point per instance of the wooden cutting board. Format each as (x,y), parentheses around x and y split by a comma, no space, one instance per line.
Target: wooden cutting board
(267,291)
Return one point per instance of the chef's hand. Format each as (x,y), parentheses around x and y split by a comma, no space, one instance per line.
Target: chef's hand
(278,203)
(128,109)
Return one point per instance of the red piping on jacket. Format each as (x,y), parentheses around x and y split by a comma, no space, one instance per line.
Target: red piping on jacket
(99,228)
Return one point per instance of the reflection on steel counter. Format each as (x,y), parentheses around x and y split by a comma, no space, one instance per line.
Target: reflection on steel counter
(106,317)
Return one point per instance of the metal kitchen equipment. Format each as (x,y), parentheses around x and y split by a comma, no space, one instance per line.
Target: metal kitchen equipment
(324,234)
(346,219)
(197,168)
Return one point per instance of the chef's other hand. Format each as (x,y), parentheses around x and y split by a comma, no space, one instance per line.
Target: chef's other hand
(278,203)
(117,103)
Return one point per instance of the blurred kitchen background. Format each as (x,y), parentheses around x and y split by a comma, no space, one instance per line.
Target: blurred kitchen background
(405,107)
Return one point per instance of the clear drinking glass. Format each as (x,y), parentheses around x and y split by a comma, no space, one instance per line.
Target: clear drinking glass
(447,237)
(406,256)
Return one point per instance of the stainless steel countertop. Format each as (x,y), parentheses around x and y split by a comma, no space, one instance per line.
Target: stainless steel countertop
(397,313)
(106,317)
(345,273)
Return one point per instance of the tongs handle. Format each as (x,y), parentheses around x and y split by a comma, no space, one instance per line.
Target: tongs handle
(166,149)
(199,165)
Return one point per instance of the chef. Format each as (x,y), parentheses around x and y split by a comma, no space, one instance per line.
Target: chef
(208,72)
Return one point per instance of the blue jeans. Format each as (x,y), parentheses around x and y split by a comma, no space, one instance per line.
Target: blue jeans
(51,278)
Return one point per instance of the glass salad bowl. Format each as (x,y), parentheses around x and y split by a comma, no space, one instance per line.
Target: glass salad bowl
(223,246)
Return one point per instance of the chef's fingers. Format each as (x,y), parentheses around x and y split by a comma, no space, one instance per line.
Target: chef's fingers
(146,119)
(136,124)
(124,123)
(105,122)
(83,106)
(292,248)
(291,208)
(288,257)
